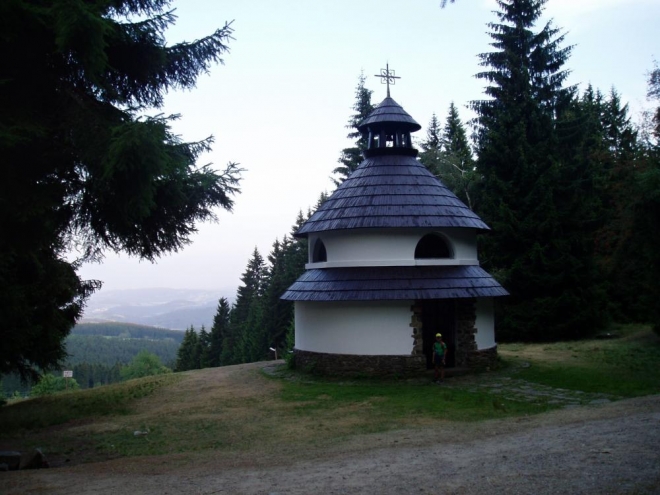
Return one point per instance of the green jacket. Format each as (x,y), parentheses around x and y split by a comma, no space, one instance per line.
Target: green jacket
(439,348)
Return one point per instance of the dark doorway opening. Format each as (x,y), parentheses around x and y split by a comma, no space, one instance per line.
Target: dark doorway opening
(432,246)
(439,316)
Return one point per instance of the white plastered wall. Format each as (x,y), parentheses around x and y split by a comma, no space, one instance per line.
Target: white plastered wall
(392,247)
(485,336)
(363,328)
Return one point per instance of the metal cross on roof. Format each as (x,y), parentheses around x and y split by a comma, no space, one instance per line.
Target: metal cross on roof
(387,76)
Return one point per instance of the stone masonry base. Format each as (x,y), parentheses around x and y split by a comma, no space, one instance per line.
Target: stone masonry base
(381,366)
(357,365)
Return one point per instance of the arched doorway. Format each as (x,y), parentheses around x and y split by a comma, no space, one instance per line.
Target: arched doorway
(439,316)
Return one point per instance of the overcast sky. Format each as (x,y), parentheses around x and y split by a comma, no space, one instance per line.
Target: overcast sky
(280,103)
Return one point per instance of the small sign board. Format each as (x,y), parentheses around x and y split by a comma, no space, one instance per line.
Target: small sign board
(67,374)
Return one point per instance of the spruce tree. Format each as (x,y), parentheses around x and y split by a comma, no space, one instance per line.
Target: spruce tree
(432,147)
(286,263)
(540,247)
(457,165)
(600,141)
(88,162)
(351,157)
(187,356)
(235,346)
(203,352)
(447,154)
(218,331)
(653,94)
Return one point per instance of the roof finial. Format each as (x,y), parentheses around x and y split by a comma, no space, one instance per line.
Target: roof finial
(387,76)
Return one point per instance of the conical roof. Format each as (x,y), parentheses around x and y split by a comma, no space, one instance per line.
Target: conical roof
(391,192)
(391,113)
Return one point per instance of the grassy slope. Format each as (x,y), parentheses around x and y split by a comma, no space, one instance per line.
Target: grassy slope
(628,366)
(236,410)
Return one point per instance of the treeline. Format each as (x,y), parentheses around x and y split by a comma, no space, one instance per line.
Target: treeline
(100,349)
(96,353)
(569,186)
(259,319)
(126,330)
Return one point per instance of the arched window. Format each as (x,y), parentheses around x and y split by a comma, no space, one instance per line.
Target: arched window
(319,254)
(432,246)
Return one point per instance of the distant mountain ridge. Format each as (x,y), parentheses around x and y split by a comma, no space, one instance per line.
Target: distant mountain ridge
(175,309)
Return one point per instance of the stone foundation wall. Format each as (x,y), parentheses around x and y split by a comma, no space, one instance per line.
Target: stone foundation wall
(484,359)
(466,345)
(356,365)
(417,335)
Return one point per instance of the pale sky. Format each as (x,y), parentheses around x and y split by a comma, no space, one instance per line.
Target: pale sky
(280,103)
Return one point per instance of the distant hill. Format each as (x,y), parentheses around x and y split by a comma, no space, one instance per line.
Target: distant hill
(175,309)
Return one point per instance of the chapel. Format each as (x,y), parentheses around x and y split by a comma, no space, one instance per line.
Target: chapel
(392,261)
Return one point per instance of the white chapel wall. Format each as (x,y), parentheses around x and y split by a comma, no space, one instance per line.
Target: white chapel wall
(485,336)
(364,328)
(394,247)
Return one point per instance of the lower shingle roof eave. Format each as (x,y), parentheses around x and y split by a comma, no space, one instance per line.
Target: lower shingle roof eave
(394,283)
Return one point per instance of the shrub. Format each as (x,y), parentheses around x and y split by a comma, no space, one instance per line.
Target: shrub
(50,384)
(144,364)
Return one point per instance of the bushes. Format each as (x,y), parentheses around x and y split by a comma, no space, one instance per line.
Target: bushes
(50,384)
(144,364)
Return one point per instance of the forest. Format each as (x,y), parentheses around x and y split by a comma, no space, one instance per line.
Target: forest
(96,353)
(568,183)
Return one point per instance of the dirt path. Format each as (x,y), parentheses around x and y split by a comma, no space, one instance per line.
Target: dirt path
(601,449)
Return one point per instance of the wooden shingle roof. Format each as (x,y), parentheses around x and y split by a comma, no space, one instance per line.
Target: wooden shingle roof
(390,113)
(394,283)
(391,191)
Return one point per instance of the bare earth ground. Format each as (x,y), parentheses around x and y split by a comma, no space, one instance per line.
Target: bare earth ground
(611,448)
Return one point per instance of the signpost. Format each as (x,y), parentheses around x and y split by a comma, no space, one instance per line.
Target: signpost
(67,374)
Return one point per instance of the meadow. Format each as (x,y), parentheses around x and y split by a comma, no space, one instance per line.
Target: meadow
(237,410)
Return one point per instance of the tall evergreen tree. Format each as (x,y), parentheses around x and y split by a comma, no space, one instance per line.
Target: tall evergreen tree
(203,349)
(83,164)
(286,263)
(432,146)
(235,346)
(351,157)
(457,165)
(218,331)
(653,95)
(447,154)
(268,319)
(187,356)
(540,247)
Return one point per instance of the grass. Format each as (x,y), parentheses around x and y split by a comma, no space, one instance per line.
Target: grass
(383,405)
(627,366)
(242,411)
(60,408)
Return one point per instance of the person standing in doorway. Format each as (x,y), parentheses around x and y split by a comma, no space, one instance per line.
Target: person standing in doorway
(439,356)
